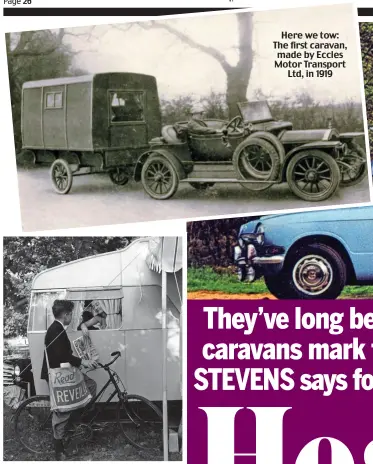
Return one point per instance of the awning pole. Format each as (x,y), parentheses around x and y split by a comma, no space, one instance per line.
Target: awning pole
(164,333)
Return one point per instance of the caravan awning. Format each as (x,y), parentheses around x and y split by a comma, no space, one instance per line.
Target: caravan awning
(165,254)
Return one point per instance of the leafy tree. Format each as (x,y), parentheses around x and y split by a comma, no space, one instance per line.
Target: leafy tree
(366,41)
(25,257)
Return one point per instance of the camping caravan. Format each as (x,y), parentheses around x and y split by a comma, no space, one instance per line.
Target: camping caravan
(87,120)
(128,285)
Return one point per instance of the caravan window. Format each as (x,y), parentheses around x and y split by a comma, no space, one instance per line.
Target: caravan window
(41,315)
(111,308)
(126,106)
(53,100)
(107,302)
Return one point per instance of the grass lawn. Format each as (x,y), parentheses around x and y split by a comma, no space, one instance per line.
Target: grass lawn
(207,279)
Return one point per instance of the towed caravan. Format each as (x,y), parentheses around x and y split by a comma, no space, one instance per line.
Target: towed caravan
(89,124)
(127,286)
(111,122)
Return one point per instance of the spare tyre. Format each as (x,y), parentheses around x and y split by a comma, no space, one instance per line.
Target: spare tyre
(256,159)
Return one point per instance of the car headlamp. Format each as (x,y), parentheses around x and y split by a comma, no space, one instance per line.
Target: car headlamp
(17,371)
(247,238)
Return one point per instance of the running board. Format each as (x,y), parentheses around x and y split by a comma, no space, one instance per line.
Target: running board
(228,181)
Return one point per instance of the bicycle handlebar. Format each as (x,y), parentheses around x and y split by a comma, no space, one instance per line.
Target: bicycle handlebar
(116,355)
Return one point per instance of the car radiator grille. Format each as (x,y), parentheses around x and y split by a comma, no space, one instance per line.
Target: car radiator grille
(8,371)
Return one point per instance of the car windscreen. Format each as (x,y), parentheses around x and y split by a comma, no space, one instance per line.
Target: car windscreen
(255,111)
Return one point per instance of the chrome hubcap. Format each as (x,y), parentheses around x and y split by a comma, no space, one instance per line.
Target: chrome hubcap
(313,275)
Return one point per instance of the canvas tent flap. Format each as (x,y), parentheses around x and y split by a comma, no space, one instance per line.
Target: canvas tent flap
(165,254)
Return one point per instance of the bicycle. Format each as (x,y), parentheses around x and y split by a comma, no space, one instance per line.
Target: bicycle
(135,415)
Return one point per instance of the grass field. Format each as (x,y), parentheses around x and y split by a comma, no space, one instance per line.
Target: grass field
(207,279)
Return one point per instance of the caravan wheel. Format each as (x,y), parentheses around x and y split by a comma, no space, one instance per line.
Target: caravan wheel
(62,177)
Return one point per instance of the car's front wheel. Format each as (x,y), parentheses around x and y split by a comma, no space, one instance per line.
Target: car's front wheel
(314,271)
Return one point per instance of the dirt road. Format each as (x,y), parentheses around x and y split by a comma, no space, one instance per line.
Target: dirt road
(208,295)
(94,200)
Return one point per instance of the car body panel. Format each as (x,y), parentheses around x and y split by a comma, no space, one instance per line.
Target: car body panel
(351,227)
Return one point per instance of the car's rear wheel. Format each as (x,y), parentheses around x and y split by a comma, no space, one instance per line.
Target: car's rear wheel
(159,177)
(313,175)
(256,159)
(353,165)
(314,271)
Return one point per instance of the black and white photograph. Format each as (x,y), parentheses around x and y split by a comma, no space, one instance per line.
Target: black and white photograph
(92,348)
(201,115)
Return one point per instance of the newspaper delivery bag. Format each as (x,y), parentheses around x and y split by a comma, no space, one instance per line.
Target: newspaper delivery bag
(67,389)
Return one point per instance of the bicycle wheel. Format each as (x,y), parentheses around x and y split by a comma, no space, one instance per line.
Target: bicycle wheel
(141,423)
(33,424)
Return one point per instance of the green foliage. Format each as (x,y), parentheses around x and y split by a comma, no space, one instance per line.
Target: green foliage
(25,257)
(366,41)
(301,109)
(206,279)
(210,243)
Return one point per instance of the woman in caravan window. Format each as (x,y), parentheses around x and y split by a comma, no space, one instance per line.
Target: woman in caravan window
(92,315)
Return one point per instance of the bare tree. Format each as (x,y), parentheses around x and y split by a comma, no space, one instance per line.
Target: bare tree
(237,76)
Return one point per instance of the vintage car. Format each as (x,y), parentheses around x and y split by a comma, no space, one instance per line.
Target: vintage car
(310,255)
(111,122)
(17,366)
(257,151)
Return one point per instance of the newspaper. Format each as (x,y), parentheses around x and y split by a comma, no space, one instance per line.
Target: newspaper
(85,349)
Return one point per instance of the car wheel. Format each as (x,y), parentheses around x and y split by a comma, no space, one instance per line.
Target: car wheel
(159,177)
(353,165)
(256,159)
(62,177)
(201,185)
(314,271)
(313,175)
(277,285)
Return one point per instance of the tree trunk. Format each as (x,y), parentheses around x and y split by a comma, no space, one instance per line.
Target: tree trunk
(238,76)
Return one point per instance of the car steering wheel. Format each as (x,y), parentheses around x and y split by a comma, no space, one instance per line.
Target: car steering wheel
(235,124)
(202,122)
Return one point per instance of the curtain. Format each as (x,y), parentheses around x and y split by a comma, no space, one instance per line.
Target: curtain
(113,309)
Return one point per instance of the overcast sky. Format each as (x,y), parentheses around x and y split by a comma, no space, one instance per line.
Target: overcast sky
(182,70)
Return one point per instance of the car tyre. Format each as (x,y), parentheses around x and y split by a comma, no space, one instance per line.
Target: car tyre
(159,177)
(358,170)
(245,170)
(276,285)
(314,271)
(312,170)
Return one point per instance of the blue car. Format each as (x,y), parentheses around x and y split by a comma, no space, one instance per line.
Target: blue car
(310,255)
